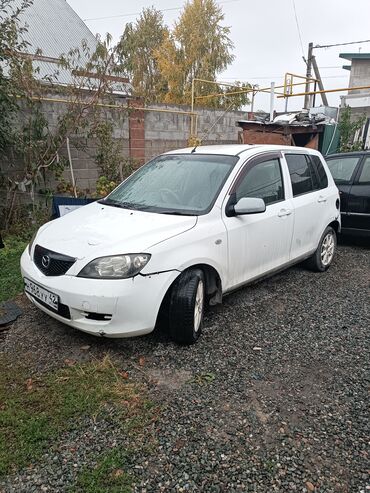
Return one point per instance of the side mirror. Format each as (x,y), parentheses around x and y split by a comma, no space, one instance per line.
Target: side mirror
(249,205)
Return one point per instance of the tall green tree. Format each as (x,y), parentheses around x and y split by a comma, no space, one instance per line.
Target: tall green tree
(136,49)
(348,127)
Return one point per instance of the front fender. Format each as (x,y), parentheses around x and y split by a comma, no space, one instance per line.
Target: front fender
(204,244)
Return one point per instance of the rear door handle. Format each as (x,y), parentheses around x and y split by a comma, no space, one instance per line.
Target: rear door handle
(322,199)
(284,212)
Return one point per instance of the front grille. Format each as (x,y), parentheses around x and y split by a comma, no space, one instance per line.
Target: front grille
(52,263)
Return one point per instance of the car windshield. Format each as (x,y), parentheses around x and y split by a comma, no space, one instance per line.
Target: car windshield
(184,184)
(342,168)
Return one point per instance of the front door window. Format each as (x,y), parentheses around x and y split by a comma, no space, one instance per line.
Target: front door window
(263,181)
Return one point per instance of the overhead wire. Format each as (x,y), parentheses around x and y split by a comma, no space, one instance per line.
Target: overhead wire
(138,13)
(126,15)
(298,28)
(271,77)
(343,44)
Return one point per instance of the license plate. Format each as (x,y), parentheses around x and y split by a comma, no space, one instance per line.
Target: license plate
(41,294)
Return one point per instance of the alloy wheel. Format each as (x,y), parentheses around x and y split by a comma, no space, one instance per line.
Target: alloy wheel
(199,304)
(327,249)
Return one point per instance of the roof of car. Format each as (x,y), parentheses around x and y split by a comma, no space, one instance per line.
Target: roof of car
(352,153)
(236,149)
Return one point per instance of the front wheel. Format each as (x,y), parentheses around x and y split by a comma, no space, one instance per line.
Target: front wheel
(186,307)
(323,256)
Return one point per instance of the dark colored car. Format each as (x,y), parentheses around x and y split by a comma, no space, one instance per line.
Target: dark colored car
(351,173)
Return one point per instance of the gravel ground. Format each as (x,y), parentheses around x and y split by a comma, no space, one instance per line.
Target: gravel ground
(274,397)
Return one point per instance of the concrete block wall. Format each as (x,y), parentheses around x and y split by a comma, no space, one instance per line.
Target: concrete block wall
(168,131)
(142,135)
(360,75)
(358,113)
(225,130)
(86,171)
(83,149)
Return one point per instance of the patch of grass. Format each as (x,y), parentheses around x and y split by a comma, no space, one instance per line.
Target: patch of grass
(109,476)
(34,412)
(11,281)
(203,379)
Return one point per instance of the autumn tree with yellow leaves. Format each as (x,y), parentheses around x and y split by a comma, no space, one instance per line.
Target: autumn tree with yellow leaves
(162,63)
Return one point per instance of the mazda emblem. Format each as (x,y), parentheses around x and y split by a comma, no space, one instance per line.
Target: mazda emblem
(45,261)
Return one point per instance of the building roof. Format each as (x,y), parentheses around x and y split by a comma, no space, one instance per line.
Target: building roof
(355,56)
(300,119)
(54,28)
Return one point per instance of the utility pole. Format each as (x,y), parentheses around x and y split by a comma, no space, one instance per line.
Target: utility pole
(288,89)
(307,97)
(319,81)
(272,101)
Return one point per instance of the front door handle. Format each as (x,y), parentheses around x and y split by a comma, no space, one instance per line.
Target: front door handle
(321,199)
(284,212)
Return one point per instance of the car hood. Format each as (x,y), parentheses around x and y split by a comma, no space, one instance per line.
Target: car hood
(97,230)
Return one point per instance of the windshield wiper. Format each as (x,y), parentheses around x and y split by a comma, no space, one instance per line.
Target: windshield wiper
(143,207)
(121,205)
(177,213)
(113,203)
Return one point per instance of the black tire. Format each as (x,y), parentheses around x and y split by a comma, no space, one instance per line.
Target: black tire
(317,262)
(184,326)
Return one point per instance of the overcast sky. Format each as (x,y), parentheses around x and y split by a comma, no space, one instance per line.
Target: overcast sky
(265,35)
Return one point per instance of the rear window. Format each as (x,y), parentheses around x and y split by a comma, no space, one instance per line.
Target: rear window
(320,171)
(365,173)
(302,174)
(342,168)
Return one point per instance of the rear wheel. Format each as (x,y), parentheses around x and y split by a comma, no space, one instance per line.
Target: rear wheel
(186,307)
(323,257)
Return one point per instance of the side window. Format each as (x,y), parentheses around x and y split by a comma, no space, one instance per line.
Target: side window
(342,168)
(320,171)
(302,174)
(264,181)
(365,173)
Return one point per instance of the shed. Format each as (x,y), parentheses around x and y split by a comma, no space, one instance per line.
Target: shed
(282,133)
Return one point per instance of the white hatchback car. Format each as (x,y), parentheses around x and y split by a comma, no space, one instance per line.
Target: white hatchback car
(183,230)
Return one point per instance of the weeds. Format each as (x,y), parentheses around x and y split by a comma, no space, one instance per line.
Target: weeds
(202,379)
(34,412)
(109,475)
(11,281)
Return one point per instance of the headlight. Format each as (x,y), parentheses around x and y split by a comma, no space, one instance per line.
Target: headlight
(116,267)
(31,242)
